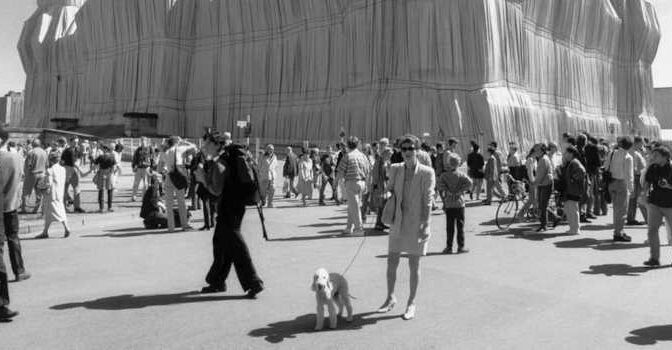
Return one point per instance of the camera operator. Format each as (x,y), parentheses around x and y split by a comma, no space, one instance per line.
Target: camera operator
(229,247)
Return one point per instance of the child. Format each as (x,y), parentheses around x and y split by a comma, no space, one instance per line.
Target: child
(452,184)
(305,185)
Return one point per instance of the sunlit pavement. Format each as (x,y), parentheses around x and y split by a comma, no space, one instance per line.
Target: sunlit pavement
(114,285)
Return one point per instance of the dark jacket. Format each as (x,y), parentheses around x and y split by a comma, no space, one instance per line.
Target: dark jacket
(291,167)
(475,163)
(574,181)
(593,162)
(142,158)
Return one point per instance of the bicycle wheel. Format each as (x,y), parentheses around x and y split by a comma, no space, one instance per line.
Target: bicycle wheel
(507,214)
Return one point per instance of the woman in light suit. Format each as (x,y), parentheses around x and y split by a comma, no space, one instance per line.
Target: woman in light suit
(413,185)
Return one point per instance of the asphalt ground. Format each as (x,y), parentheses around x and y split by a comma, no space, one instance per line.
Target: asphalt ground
(114,285)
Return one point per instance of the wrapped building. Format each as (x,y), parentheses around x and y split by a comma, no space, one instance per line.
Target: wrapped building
(525,70)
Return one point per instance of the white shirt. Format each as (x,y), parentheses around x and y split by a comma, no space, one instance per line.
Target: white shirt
(621,166)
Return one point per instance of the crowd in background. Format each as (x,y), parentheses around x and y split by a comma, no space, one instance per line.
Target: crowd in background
(583,174)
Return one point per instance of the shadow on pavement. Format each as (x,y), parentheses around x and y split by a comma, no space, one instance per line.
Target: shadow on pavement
(279,331)
(492,222)
(404,255)
(323,224)
(129,301)
(327,235)
(538,236)
(135,232)
(598,244)
(619,270)
(335,218)
(650,335)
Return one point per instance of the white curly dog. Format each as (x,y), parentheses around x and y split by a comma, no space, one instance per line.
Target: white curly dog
(330,289)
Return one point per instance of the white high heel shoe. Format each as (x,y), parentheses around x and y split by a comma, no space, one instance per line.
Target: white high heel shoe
(410,313)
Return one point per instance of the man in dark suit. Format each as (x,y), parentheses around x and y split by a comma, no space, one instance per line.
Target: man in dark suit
(229,247)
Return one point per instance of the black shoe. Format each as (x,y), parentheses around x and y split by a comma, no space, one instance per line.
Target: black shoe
(6,313)
(209,289)
(541,228)
(322,203)
(462,250)
(252,292)
(652,263)
(22,276)
(204,228)
(79,211)
(584,220)
(447,251)
(287,195)
(622,238)
(635,223)
(591,216)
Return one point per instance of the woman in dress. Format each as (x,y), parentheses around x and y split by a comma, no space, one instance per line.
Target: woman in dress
(105,178)
(53,185)
(413,187)
(305,184)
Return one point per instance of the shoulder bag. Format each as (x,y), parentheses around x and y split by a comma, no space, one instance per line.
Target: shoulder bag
(390,208)
(178,179)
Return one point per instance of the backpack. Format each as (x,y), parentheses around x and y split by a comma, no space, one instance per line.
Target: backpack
(242,174)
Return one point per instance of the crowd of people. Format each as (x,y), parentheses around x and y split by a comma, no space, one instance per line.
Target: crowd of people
(398,183)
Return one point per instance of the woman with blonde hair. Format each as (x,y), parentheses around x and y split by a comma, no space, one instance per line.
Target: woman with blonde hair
(412,185)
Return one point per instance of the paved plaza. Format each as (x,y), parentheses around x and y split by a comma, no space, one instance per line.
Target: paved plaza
(114,285)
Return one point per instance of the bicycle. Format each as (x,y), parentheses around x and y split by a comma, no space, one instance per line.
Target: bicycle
(508,212)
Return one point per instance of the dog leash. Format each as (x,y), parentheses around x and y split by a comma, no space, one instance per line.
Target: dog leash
(352,261)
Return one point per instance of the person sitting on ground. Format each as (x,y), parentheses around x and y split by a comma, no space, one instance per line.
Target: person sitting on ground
(451,186)
(153,211)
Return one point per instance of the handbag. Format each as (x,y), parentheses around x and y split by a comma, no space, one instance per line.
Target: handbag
(387,217)
(178,179)
(390,208)
(606,175)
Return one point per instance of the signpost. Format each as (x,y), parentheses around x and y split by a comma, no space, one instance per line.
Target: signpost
(247,125)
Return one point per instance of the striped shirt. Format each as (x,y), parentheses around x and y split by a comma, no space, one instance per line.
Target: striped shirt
(354,166)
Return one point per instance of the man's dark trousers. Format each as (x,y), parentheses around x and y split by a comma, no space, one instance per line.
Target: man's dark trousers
(230,248)
(454,217)
(4,286)
(11,221)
